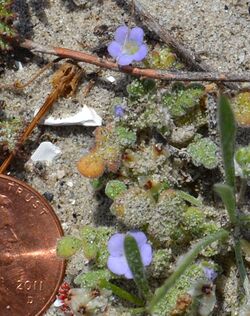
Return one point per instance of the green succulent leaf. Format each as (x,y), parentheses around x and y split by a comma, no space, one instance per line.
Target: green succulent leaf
(94,244)
(139,88)
(67,246)
(114,188)
(181,101)
(92,279)
(125,136)
(203,152)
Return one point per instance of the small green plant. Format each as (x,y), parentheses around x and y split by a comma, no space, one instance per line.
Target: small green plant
(161,59)
(174,221)
(183,100)
(114,188)
(140,88)
(68,246)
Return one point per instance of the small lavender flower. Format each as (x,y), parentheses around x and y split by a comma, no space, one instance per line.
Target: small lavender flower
(128,45)
(117,262)
(119,111)
(210,274)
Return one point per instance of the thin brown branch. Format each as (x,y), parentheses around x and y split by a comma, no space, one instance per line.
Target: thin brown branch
(136,71)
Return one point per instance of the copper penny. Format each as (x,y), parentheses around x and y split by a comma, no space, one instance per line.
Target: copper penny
(30,271)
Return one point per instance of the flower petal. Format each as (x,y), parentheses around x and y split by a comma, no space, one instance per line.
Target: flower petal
(115,245)
(115,49)
(146,254)
(128,274)
(136,34)
(124,60)
(117,265)
(121,34)
(141,53)
(210,273)
(140,238)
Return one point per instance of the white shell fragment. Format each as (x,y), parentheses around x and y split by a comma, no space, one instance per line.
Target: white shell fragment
(58,302)
(111,79)
(86,117)
(19,65)
(46,151)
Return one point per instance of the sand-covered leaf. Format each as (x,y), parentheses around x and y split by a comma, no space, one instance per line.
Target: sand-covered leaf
(203,152)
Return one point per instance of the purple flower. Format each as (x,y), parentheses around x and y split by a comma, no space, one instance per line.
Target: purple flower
(117,262)
(128,45)
(210,274)
(119,111)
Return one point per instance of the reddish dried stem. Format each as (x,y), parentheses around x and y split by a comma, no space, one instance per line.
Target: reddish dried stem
(136,71)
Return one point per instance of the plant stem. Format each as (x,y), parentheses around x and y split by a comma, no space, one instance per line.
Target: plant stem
(241,195)
(238,256)
(186,261)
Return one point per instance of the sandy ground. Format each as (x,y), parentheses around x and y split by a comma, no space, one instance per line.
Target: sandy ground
(218,30)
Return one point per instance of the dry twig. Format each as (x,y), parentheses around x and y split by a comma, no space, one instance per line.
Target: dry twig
(136,71)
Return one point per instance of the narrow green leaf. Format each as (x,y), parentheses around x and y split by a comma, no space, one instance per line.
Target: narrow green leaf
(121,292)
(227,130)
(227,195)
(189,198)
(185,262)
(133,257)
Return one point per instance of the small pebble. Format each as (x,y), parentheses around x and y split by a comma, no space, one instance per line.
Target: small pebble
(60,174)
(70,184)
(49,196)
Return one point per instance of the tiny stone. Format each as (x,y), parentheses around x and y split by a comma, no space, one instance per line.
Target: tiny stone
(49,196)
(60,174)
(111,79)
(70,184)
(65,226)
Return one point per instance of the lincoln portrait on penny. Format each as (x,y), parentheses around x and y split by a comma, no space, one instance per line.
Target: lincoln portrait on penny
(10,272)
(8,236)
